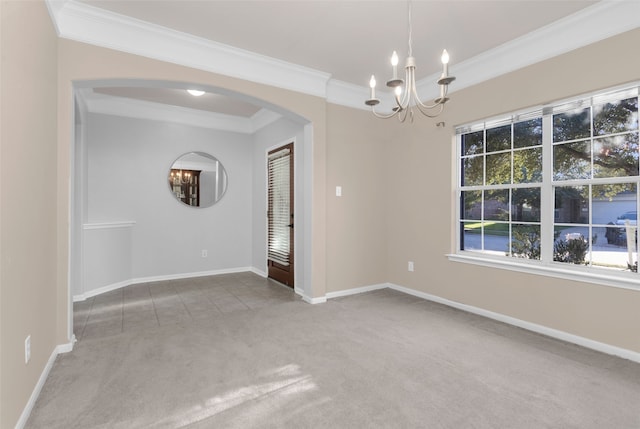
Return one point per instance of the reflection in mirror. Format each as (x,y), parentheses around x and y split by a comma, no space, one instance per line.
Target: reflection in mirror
(197,179)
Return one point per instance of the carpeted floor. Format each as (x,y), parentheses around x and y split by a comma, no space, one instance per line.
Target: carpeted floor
(381,359)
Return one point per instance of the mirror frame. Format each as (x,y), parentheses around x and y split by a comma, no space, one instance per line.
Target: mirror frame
(189,191)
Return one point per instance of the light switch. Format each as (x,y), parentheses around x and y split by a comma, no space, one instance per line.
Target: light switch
(338,191)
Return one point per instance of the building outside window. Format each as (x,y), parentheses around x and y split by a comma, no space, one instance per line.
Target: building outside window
(553,186)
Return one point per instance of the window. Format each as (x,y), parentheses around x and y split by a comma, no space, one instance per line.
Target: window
(554,186)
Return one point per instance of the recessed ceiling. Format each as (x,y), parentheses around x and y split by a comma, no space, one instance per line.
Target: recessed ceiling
(352,39)
(215,103)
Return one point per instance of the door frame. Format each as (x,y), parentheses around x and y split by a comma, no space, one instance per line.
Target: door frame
(298,251)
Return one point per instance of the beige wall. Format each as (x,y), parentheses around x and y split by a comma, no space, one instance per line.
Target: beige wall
(81,62)
(357,144)
(396,183)
(27,200)
(421,228)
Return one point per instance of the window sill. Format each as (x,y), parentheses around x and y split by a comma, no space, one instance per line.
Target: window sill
(624,280)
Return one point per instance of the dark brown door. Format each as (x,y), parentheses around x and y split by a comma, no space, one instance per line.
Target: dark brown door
(280,215)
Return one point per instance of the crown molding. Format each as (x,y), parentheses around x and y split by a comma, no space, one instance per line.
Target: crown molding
(604,19)
(346,94)
(84,23)
(88,24)
(351,95)
(139,109)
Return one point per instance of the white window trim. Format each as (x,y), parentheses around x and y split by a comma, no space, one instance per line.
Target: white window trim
(624,280)
(585,274)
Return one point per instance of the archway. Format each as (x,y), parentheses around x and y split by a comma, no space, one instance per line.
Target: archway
(91,222)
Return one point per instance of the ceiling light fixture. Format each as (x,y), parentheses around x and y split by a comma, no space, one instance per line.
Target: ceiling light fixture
(195,92)
(405,92)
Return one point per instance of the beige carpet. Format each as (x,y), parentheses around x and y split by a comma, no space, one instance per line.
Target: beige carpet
(380,359)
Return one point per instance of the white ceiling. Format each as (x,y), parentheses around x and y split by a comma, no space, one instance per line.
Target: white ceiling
(352,39)
(331,48)
(208,102)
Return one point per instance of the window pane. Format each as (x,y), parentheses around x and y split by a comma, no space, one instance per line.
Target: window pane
(527,165)
(499,168)
(499,138)
(473,143)
(571,245)
(572,125)
(496,237)
(471,203)
(616,156)
(472,170)
(527,133)
(572,161)
(525,204)
(614,255)
(525,241)
(615,117)
(471,237)
(594,183)
(571,204)
(496,205)
(613,204)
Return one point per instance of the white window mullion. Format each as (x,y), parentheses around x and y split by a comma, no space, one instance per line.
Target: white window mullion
(546,192)
(611,133)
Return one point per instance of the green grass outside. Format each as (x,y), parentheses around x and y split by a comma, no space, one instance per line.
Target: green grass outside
(492,228)
(495,228)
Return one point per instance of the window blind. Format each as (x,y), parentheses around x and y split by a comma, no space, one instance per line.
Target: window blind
(279,216)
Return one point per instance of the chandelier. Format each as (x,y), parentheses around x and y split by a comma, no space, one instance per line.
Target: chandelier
(405,91)
(179,177)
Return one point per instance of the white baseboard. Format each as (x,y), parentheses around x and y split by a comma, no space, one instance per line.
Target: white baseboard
(181,276)
(26,412)
(310,300)
(356,290)
(540,329)
(118,285)
(259,272)
(100,290)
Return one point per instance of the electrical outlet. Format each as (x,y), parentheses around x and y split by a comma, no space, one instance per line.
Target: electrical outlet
(27,349)
(410,266)
(204,253)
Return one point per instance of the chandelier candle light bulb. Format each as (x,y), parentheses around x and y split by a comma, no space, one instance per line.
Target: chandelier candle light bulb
(405,105)
(394,63)
(445,63)
(372,84)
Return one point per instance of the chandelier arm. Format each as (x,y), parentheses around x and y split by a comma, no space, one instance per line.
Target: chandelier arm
(399,103)
(382,115)
(408,99)
(423,106)
(402,116)
(406,96)
(431,115)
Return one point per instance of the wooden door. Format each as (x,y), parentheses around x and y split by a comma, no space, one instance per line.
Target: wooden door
(280,215)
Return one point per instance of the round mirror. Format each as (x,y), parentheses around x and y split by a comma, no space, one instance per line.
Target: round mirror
(197,179)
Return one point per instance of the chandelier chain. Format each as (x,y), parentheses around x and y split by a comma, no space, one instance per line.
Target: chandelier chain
(410,31)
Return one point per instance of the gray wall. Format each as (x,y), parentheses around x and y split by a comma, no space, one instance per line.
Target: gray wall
(128,163)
